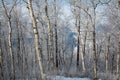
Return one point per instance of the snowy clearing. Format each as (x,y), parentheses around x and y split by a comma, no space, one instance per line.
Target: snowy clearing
(65,78)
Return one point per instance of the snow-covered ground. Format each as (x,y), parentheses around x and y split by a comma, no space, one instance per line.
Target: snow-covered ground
(65,78)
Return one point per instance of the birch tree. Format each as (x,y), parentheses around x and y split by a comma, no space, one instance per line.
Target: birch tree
(94,38)
(56,32)
(77,5)
(118,54)
(8,16)
(36,37)
(50,52)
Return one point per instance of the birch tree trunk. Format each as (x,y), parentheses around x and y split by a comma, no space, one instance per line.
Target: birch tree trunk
(107,52)
(49,37)
(94,53)
(118,59)
(11,51)
(79,42)
(80,48)
(118,54)
(8,16)
(94,39)
(78,37)
(0,62)
(1,57)
(36,38)
(56,34)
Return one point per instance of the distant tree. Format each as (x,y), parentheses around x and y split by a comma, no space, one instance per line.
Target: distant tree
(107,51)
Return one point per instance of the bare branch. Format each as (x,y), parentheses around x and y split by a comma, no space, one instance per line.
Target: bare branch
(105,2)
(86,12)
(13,6)
(25,1)
(4,7)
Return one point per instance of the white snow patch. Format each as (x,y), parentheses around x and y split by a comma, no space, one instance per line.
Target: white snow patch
(65,78)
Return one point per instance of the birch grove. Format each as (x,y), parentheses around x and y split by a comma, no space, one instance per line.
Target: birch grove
(46,39)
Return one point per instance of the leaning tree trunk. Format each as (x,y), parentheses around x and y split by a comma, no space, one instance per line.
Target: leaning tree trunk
(36,38)
(11,51)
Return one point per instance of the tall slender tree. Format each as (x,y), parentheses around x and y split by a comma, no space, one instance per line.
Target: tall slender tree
(1,57)
(8,16)
(49,36)
(78,25)
(107,51)
(36,37)
(118,54)
(94,38)
(56,32)
(78,46)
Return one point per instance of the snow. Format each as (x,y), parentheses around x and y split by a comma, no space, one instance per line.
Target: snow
(65,78)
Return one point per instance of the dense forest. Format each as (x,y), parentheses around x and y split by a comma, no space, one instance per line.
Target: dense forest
(42,39)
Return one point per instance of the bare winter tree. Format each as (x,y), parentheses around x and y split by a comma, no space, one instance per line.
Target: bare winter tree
(8,16)
(94,38)
(36,37)
(50,52)
(74,38)
(77,13)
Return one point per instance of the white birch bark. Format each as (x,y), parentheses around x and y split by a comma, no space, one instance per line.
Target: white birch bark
(36,38)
